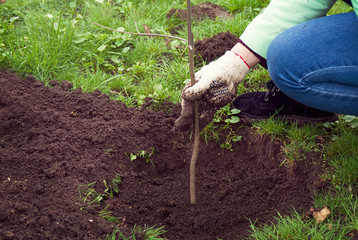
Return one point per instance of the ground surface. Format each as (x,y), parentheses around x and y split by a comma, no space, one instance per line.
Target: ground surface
(53,140)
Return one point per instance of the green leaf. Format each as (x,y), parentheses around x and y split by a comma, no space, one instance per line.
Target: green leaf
(354,123)
(133,157)
(234,119)
(80,40)
(235,111)
(126,49)
(14,19)
(101,48)
(349,118)
(238,138)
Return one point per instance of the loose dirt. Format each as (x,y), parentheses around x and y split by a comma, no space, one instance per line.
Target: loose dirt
(200,12)
(55,139)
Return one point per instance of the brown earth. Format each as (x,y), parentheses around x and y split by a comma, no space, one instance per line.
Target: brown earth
(221,42)
(52,141)
(55,139)
(200,12)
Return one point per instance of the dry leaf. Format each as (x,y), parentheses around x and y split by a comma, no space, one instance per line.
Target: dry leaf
(321,215)
(146,29)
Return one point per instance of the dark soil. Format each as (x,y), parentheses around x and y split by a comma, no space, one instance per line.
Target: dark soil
(55,139)
(200,12)
(52,141)
(209,49)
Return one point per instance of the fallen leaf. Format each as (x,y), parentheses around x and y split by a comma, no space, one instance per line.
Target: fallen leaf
(146,29)
(321,215)
(320,139)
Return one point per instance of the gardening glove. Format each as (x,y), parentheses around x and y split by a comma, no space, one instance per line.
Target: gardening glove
(215,86)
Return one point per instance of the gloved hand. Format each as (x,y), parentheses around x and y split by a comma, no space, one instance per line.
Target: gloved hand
(215,86)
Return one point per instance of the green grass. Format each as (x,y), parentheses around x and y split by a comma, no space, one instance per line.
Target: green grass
(58,40)
(146,233)
(340,152)
(297,140)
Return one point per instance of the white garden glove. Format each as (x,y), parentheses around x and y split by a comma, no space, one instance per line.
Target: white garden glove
(215,86)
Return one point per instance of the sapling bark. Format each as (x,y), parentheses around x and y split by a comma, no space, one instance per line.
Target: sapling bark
(195,152)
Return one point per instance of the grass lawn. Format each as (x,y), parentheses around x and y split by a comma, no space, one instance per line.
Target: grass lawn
(59,40)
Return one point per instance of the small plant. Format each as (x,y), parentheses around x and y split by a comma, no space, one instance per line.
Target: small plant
(113,188)
(231,137)
(145,233)
(141,154)
(352,121)
(90,196)
(347,121)
(109,151)
(228,117)
(108,215)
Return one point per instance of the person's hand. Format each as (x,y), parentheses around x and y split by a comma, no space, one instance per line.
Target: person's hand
(215,86)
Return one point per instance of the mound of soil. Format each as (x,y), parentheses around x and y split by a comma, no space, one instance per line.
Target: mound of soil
(200,12)
(211,48)
(53,140)
(214,47)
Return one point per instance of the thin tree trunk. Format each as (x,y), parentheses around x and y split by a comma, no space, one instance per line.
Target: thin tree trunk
(196,115)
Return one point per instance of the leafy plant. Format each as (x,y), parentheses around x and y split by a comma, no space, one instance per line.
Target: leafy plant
(225,116)
(230,138)
(109,151)
(145,155)
(113,188)
(108,215)
(145,233)
(90,196)
(103,50)
(352,121)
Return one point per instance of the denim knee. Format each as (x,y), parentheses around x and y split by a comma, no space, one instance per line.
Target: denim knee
(280,61)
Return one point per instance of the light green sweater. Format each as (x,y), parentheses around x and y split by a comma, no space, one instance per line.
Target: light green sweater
(281,15)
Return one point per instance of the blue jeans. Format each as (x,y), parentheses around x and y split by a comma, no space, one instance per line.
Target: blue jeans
(316,63)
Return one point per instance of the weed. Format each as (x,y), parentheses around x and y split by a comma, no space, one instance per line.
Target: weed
(296,140)
(345,123)
(107,215)
(90,196)
(113,188)
(227,115)
(210,133)
(109,151)
(142,154)
(223,120)
(146,233)
(231,137)
(352,121)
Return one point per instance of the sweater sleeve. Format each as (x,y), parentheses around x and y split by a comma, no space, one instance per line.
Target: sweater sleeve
(355,6)
(279,16)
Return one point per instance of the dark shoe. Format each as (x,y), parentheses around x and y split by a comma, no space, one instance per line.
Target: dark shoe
(263,105)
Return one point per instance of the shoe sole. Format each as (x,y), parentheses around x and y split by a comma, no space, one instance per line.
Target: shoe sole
(293,118)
